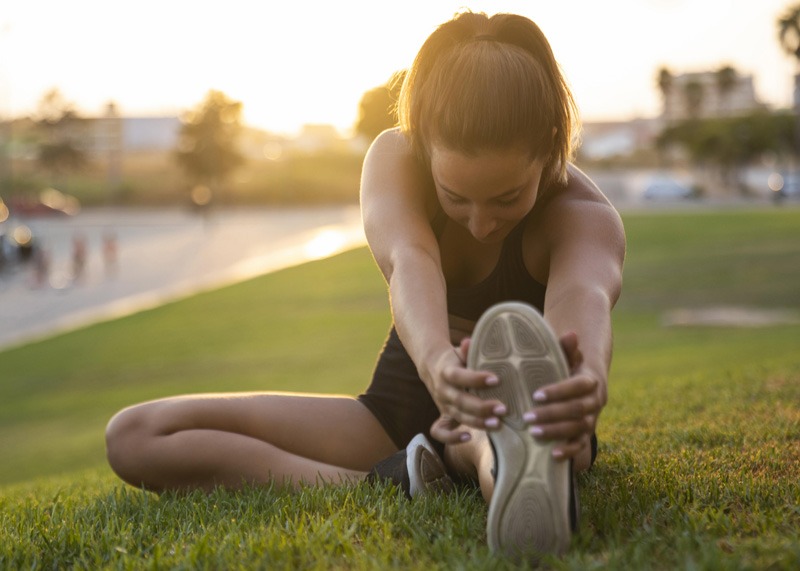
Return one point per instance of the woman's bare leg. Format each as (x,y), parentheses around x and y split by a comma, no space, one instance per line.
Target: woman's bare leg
(228,440)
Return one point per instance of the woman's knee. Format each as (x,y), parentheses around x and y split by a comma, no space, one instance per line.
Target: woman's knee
(127,436)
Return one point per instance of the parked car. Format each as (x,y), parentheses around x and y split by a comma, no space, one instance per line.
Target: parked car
(668,189)
(17,246)
(785,185)
(47,203)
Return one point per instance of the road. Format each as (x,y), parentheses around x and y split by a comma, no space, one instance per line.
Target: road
(138,259)
(167,254)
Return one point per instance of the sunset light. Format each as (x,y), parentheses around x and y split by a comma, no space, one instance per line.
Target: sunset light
(295,63)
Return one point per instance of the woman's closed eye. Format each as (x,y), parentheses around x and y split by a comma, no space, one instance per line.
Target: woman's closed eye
(506,201)
(455,199)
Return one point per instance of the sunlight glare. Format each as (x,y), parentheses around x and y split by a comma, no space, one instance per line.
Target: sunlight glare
(325,243)
(273,151)
(263,55)
(57,200)
(775,182)
(22,235)
(201,195)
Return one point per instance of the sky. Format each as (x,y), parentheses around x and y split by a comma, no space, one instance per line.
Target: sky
(295,62)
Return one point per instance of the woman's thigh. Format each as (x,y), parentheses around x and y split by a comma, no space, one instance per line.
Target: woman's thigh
(335,430)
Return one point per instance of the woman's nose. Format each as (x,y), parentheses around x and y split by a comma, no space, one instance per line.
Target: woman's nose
(481,225)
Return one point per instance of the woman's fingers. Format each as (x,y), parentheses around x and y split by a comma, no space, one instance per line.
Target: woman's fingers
(456,401)
(571,448)
(564,430)
(448,431)
(463,349)
(471,410)
(468,379)
(572,388)
(569,344)
(575,409)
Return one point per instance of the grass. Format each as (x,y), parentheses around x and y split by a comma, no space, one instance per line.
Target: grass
(700,443)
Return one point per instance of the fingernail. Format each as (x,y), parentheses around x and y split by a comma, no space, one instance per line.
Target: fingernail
(539,396)
(536,430)
(492,422)
(492,380)
(558,453)
(529,416)
(464,436)
(499,410)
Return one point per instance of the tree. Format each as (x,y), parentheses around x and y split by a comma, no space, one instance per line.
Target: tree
(377,110)
(729,144)
(208,144)
(58,122)
(789,31)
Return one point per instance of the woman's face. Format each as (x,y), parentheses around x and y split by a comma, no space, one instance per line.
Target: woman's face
(488,193)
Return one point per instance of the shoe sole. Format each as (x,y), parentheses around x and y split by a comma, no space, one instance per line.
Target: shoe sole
(529,510)
(426,471)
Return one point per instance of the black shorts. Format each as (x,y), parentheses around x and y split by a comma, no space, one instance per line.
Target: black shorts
(399,399)
(397,396)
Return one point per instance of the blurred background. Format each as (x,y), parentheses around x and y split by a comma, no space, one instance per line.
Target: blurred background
(121,116)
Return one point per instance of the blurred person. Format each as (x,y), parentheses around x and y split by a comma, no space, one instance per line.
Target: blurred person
(79,255)
(110,252)
(41,267)
(471,203)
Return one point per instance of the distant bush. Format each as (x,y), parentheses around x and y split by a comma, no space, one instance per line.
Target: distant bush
(154,179)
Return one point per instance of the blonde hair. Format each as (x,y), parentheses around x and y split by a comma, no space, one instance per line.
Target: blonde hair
(487,83)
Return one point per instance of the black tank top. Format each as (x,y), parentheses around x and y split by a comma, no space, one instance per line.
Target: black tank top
(508,281)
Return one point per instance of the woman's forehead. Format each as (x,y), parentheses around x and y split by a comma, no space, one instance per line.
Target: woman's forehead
(501,170)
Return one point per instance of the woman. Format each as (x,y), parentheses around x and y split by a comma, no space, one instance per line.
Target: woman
(471,202)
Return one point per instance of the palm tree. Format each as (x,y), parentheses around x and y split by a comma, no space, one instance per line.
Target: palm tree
(789,31)
(789,37)
(694,96)
(665,81)
(726,81)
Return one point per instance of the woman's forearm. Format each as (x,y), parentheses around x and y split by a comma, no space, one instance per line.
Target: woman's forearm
(586,311)
(418,299)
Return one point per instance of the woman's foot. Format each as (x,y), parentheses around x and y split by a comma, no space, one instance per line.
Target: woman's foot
(417,470)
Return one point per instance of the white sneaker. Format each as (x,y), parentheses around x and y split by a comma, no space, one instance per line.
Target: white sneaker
(426,470)
(417,470)
(529,513)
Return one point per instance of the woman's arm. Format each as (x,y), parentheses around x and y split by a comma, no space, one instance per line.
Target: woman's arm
(586,242)
(397,207)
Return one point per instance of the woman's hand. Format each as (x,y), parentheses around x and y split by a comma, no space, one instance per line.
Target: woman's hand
(460,408)
(568,410)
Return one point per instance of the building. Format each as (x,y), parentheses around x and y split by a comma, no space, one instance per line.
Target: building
(150,133)
(708,94)
(609,139)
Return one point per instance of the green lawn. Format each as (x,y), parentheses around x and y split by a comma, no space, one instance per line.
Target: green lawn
(699,445)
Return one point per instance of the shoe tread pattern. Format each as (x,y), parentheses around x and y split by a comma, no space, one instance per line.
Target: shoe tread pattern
(524,354)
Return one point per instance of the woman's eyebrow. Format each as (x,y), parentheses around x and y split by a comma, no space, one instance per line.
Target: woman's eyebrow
(506,194)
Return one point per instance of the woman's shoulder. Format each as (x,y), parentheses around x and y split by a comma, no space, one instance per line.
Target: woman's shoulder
(393,176)
(578,204)
(578,194)
(391,141)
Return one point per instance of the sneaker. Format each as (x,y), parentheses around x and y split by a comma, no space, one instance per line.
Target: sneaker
(417,470)
(532,508)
